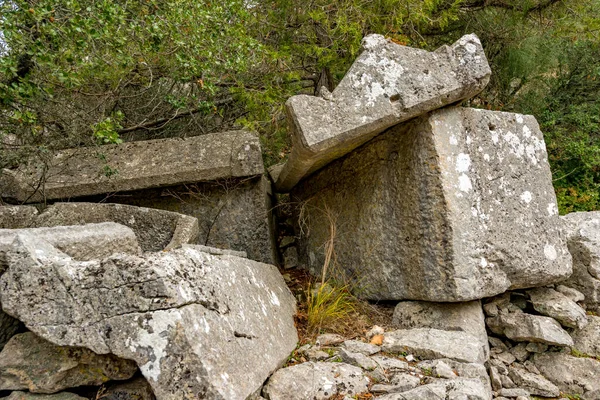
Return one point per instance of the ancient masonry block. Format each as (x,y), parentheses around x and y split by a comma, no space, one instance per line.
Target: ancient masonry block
(217,178)
(387,84)
(456,205)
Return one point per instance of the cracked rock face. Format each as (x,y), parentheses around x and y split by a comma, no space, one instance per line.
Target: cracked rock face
(453,206)
(387,84)
(192,321)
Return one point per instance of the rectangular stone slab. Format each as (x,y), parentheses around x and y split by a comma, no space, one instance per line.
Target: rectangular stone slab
(387,84)
(456,205)
(139,165)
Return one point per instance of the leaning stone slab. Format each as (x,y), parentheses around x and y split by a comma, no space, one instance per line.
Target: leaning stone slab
(197,325)
(31,363)
(572,375)
(583,234)
(453,206)
(82,242)
(523,327)
(554,304)
(434,343)
(387,84)
(155,229)
(139,165)
(467,317)
(316,381)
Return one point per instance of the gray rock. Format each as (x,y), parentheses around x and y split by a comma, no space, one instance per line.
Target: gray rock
(217,252)
(434,343)
(514,392)
(390,363)
(573,375)
(387,84)
(140,165)
(30,396)
(587,340)
(14,217)
(357,346)
(28,362)
(554,304)
(523,327)
(520,351)
(535,384)
(167,311)
(314,354)
(290,258)
(506,357)
(316,381)
(454,389)
(463,370)
(462,203)
(583,234)
(329,339)
(136,389)
(467,317)
(81,242)
(358,359)
(537,347)
(495,379)
(497,344)
(155,229)
(571,293)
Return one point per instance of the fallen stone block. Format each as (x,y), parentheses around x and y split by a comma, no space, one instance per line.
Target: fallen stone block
(31,363)
(587,339)
(316,381)
(14,217)
(81,242)
(453,206)
(466,317)
(535,384)
(434,343)
(553,304)
(77,172)
(572,375)
(197,325)
(522,327)
(583,235)
(387,84)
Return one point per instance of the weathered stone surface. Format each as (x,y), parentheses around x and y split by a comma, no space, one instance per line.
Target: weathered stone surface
(523,327)
(573,375)
(453,389)
(358,359)
(587,340)
(316,381)
(571,293)
(81,242)
(435,343)
(463,370)
(13,217)
(356,346)
(554,304)
(192,321)
(136,389)
(467,317)
(232,214)
(154,163)
(535,384)
(29,362)
(30,396)
(583,234)
(387,84)
(155,229)
(459,204)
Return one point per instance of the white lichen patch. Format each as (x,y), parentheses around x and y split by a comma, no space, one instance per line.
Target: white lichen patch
(464,183)
(453,140)
(516,146)
(552,209)
(463,162)
(471,48)
(519,118)
(483,262)
(550,252)
(526,197)
(155,338)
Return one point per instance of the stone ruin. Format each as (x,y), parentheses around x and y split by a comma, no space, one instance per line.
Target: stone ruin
(168,292)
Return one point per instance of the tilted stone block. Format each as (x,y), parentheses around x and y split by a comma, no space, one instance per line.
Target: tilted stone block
(456,205)
(387,84)
(78,172)
(199,326)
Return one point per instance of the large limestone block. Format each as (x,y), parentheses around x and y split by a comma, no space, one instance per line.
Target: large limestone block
(31,363)
(572,375)
(387,84)
(155,229)
(82,242)
(140,165)
(198,325)
(467,317)
(583,235)
(453,206)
